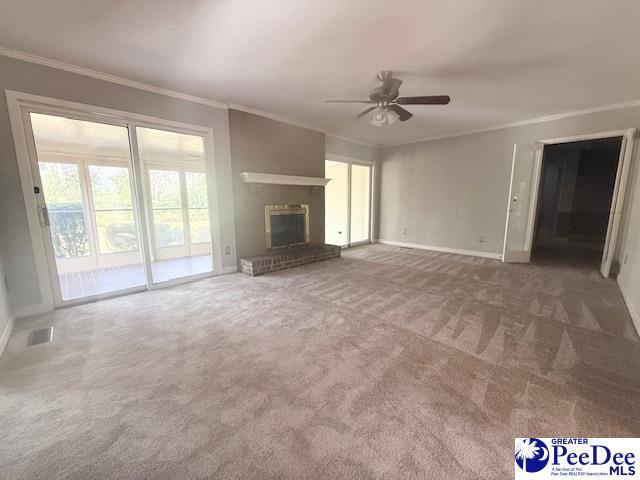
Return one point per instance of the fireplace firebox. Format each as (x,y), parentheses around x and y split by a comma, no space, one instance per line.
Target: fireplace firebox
(286,225)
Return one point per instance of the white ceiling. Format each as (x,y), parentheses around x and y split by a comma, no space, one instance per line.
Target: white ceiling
(501,61)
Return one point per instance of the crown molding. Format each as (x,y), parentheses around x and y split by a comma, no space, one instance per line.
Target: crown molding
(272,116)
(107,77)
(522,123)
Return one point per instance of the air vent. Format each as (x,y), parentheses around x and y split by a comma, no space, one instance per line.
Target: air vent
(42,335)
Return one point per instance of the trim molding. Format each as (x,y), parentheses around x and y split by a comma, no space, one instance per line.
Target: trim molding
(6,334)
(635,315)
(28,310)
(420,246)
(231,269)
(273,179)
(522,123)
(107,77)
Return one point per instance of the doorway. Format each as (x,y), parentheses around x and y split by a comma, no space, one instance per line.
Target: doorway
(568,183)
(574,204)
(348,202)
(116,203)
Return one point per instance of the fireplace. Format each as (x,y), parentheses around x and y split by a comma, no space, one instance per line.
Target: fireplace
(286,225)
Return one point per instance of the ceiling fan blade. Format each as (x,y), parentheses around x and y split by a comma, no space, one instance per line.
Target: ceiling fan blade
(347,101)
(402,113)
(364,112)
(428,100)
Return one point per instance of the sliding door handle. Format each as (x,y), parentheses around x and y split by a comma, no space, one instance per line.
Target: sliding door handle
(43,214)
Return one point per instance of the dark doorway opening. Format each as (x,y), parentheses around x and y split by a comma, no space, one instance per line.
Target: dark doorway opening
(576,189)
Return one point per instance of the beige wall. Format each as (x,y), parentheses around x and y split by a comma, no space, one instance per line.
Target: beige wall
(262,145)
(36,79)
(453,192)
(345,148)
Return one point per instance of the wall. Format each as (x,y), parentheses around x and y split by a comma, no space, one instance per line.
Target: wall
(366,153)
(36,79)
(629,276)
(452,192)
(263,145)
(6,322)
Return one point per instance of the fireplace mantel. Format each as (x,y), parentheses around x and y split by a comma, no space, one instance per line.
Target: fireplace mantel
(273,179)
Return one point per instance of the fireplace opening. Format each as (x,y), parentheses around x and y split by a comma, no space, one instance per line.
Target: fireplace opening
(286,225)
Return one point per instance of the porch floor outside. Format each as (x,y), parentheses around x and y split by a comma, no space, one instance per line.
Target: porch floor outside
(106,280)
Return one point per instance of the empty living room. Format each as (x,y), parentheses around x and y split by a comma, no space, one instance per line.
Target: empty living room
(319,239)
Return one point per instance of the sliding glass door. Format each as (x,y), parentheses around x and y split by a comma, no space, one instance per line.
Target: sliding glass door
(84,171)
(176,200)
(347,203)
(104,235)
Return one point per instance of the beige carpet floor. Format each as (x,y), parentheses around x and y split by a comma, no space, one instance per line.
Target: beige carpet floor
(387,363)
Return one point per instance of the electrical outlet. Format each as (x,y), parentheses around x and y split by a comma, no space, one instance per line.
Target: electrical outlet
(227,250)
(403,231)
(481,239)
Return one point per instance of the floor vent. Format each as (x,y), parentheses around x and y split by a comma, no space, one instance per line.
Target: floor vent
(42,335)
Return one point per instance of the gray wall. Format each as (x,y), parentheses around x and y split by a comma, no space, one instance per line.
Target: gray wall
(262,145)
(15,248)
(338,146)
(453,191)
(629,252)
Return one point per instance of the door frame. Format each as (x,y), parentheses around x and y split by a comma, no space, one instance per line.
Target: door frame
(20,104)
(365,163)
(524,256)
(619,188)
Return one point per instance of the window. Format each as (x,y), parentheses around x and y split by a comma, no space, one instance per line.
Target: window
(113,207)
(61,182)
(360,203)
(336,203)
(198,209)
(166,203)
(347,203)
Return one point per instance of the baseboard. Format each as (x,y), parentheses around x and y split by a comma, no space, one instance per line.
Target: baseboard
(420,246)
(635,315)
(231,269)
(4,338)
(29,310)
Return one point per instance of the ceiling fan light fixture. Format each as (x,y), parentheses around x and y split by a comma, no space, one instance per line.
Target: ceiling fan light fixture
(380,118)
(392,116)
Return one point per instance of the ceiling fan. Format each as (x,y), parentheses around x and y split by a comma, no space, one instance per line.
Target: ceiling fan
(387,102)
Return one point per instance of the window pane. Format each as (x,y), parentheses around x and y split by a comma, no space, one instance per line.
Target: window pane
(110,187)
(335,203)
(61,184)
(165,189)
(168,227)
(198,209)
(113,202)
(196,190)
(199,225)
(116,231)
(360,202)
